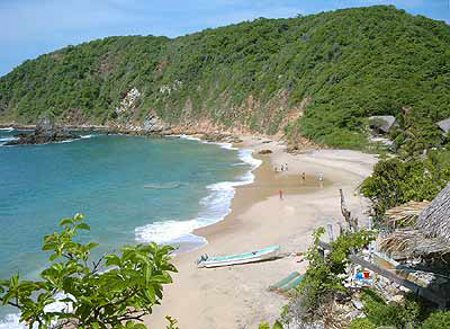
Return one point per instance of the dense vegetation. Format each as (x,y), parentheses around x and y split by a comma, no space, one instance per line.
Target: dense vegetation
(396,181)
(411,313)
(320,75)
(323,278)
(115,291)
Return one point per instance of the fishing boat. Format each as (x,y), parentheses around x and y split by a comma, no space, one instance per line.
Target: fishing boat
(244,258)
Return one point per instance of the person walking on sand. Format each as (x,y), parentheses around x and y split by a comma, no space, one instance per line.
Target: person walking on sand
(303,176)
(286,166)
(281,194)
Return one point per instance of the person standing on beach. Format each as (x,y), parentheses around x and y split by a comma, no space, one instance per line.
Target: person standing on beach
(320,177)
(303,176)
(286,167)
(281,194)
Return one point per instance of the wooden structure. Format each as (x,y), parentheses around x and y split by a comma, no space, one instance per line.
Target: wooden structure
(428,238)
(432,294)
(444,125)
(382,124)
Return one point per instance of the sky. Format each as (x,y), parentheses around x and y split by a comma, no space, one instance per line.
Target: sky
(29,28)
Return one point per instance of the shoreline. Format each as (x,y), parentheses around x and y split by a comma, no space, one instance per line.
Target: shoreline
(237,297)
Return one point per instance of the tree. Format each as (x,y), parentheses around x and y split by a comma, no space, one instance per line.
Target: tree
(115,291)
(437,320)
(323,278)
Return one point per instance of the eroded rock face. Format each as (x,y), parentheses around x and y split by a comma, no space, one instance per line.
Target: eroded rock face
(45,132)
(129,102)
(153,124)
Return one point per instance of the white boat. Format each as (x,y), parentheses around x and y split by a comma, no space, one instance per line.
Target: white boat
(244,258)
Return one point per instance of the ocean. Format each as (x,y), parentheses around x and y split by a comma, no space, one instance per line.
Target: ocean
(131,190)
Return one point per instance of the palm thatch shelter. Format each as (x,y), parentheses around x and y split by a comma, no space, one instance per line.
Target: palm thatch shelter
(429,238)
(406,214)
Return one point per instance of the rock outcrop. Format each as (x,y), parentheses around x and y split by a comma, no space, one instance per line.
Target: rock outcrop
(45,132)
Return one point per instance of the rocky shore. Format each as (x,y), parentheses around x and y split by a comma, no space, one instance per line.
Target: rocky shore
(44,132)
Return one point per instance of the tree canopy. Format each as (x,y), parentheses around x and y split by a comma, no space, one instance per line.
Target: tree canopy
(115,291)
(319,76)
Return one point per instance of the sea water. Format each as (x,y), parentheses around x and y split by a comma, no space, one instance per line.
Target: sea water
(130,189)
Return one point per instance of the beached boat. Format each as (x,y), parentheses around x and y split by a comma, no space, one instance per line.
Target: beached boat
(244,258)
(288,283)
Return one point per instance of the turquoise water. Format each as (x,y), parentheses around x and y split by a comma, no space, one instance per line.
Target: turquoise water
(131,189)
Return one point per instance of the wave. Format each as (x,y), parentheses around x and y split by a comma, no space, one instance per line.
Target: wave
(189,138)
(74,140)
(173,232)
(9,129)
(216,206)
(8,139)
(4,140)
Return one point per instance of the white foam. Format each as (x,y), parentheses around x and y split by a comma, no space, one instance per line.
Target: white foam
(8,139)
(171,231)
(12,321)
(189,137)
(74,140)
(4,140)
(7,129)
(216,206)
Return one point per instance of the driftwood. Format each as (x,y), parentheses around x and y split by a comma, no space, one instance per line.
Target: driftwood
(351,221)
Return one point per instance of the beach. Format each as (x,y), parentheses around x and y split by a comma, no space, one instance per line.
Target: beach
(238,296)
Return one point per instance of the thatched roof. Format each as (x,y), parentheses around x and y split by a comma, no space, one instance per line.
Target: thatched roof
(444,125)
(434,220)
(431,235)
(413,243)
(405,214)
(382,123)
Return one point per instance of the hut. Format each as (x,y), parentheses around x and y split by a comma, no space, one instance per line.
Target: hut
(444,125)
(429,238)
(381,124)
(423,251)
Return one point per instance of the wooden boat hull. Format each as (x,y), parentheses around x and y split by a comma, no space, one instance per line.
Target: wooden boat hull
(245,258)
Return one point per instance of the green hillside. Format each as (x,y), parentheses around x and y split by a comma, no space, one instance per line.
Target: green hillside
(320,76)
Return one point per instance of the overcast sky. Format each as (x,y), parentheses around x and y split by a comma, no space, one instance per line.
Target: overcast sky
(29,28)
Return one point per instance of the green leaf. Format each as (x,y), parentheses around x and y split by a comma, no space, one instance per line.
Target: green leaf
(83,226)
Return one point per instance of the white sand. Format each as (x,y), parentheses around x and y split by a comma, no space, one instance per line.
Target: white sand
(237,297)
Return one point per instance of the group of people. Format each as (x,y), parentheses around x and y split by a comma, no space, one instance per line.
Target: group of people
(303,177)
(283,167)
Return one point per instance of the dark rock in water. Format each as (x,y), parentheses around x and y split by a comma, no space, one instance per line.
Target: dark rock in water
(265,151)
(45,132)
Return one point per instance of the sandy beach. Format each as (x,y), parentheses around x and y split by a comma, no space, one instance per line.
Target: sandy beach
(238,297)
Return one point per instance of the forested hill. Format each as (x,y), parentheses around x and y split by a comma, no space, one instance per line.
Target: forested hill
(320,76)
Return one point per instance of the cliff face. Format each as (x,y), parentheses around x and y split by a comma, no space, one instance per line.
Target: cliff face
(318,76)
